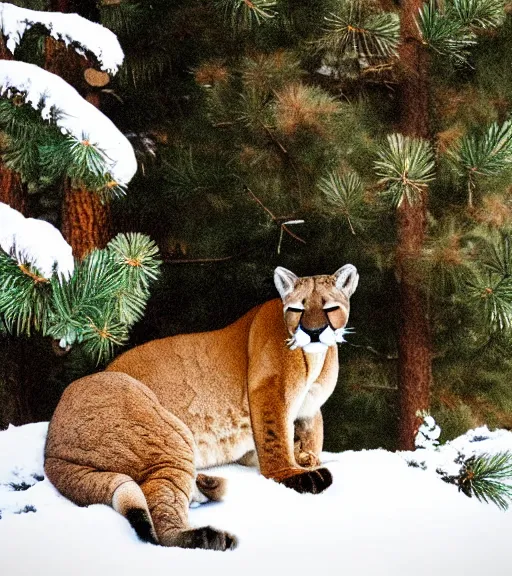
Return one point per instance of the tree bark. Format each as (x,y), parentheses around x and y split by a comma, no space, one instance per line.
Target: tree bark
(12,190)
(59,5)
(415,347)
(86,221)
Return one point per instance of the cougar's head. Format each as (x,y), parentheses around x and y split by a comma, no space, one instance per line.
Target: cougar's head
(316,308)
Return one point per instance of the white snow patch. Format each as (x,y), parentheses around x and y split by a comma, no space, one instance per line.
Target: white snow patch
(79,118)
(69,28)
(36,242)
(379,517)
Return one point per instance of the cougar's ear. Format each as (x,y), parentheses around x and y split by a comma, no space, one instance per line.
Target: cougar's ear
(284,280)
(347,279)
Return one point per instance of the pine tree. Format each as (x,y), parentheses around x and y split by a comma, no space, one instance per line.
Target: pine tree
(51,134)
(322,128)
(301,133)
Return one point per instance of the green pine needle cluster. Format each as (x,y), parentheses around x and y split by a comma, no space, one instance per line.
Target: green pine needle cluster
(24,296)
(247,14)
(406,165)
(487,154)
(39,151)
(485,477)
(344,193)
(356,32)
(95,307)
(490,288)
(451,30)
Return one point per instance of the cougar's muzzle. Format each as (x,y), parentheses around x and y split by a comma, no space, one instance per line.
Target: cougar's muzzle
(313,333)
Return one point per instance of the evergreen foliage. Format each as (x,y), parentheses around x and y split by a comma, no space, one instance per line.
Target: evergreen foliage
(95,306)
(357,30)
(265,112)
(405,166)
(450,28)
(344,191)
(38,150)
(244,15)
(483,477)
(487,154)
(292,118)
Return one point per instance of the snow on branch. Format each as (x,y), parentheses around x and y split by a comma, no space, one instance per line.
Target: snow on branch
(70,28)
(47,92)
(35,242)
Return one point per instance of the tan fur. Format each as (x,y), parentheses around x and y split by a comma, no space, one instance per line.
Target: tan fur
(168,407)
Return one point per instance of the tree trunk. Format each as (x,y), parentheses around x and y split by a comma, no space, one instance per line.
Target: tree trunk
(12,191)
(415,347)
(59,5)
(28,372)
(86,221)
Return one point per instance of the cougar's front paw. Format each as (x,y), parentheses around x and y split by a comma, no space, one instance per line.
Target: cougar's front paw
(311,481)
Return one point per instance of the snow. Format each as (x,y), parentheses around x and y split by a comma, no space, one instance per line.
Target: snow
(428,433)
(34,241)
(69,28)
(380,516)
(78,117)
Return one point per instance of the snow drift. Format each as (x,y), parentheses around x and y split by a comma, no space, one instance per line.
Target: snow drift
(380,516)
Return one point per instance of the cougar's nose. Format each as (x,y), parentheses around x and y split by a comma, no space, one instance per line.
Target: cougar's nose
(313,333)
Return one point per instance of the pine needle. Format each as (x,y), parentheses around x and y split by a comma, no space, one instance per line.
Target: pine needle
(406,166)
(485,477)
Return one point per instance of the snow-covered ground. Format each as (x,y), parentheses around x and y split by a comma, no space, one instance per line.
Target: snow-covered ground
(380,517)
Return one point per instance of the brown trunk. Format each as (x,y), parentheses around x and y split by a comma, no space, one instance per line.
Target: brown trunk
(415,348)
(85,220)
(12,190)
(28,370)
(59,5)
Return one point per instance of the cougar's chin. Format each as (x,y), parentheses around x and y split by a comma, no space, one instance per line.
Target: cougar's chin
(315,348)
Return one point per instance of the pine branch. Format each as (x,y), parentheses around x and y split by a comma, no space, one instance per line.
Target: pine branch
(478,14)
(24,295)
(344,192)
(83,296)
(122,18)
(482,476)
(488,154)
(94,307)
(490,287)
(406,166)
(39,151)
(283,225)
(450,29)
(135,256)
(247,14)
(445,35)
(356,32)
(485,155)
(102,334)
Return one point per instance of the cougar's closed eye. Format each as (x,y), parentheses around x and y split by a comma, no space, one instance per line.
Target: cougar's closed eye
(294,309)
(331,308)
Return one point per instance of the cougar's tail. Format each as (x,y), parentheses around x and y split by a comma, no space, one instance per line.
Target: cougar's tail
(129,500)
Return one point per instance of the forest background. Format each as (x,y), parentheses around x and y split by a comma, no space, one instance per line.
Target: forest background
(306,134)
